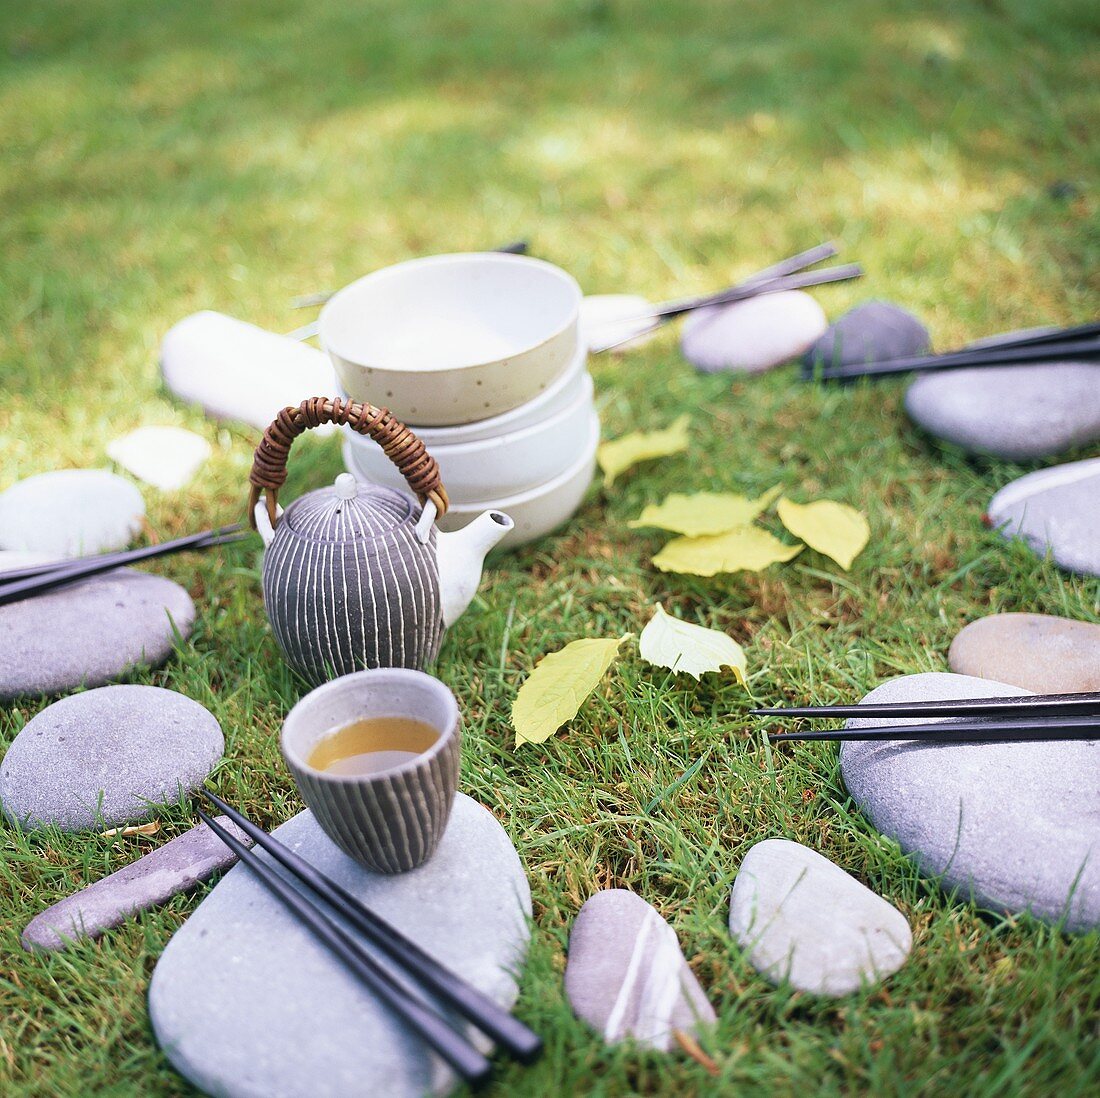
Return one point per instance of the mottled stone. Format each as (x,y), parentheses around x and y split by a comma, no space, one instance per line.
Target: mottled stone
(875,331)
(626,975)
(1045,654)
(107,757)
(1055,509)
(1014,826)
(91,633)
(166,457)
(803,920)
(752,335)
(70,513)
(611,321)
(236,984)
(152,880)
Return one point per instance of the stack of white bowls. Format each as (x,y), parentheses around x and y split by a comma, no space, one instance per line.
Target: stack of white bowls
(481,355)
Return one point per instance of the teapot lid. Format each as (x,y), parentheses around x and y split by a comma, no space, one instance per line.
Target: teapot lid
(347,511)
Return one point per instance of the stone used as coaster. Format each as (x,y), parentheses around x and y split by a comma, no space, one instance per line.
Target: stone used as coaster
(70,513)
(1055,509)
(237,982)
(875,331)
(90,633)
(1017,413)
(1014,826)
(1045,654)
(165,457)
(752,335)
(107,757)
(803,920)
(152,880)
(608,318)
(626,975)
(236,371)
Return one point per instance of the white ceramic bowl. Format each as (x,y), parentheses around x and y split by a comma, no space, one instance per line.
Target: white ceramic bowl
(540,510)
(492,467)
(453,338)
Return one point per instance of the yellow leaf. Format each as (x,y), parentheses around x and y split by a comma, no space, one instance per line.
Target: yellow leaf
(746,549)
(150,828)
(620,454)
(681,646)
(557,688)
(704,512)
(835,529)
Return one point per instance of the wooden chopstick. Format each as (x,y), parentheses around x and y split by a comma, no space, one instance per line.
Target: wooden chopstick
(394,993)
(994,730)
(487,1015)
(1029,704)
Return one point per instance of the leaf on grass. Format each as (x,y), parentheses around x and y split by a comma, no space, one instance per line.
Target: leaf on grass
(150,828)
(557,688)
(681,646)
(835,529)
(620,454)
(704,512)
(746,549)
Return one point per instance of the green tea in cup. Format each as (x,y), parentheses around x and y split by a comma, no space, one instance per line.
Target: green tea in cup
(372,746)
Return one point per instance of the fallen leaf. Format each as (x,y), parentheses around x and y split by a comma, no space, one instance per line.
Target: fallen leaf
(150,828)
(557,688)
(681,646)
(746,549)
(619,454)
(695,1051)
(835,529)
(704,513)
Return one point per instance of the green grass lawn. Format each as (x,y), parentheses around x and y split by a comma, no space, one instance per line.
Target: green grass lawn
(159,159)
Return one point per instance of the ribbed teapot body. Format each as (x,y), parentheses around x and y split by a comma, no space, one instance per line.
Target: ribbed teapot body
(348,585)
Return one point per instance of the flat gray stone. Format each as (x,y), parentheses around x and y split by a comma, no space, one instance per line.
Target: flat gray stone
(752,335)
(803,920)
(90,633)
(626,975)
(1038,652)
(875,331)
(152,880)
(107,757)
(1013,826)
(1017,413)
(166,457)
(70,513)
(1055,509)
(241,978)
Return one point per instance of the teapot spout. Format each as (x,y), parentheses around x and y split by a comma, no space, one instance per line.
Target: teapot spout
(461,554)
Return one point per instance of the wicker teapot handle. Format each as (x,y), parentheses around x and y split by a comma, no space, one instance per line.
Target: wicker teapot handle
(399,444)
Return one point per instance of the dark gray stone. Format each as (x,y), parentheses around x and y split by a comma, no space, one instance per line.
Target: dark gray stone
(1014,826)
(245,1002)
(70,513)
(91,632)
(803,920)
(107,757)
(152,880)
(626,975)
(872,332)
(1017,413)
(1055,509)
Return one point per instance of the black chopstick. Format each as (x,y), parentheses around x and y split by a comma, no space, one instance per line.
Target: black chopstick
(492,1019)
(993,730)
(1052,335)
(1026,704)
(459,1053)
(84,568)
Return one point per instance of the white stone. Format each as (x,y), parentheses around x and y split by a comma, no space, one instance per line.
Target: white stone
(165,457)
(615,321)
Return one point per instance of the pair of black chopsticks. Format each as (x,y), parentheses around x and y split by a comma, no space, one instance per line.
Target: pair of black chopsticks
(783,275)
(405,1000)
(37,579)
(1076,344)
(1028,717)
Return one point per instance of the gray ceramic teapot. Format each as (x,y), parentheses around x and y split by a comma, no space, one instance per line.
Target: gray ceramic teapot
(356,575)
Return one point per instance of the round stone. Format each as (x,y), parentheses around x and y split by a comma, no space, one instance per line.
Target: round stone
(166,457)
(70,513)
(107,757)
(90,633)
(803,920)
(612,321)
(875,331)
(1039,652)
(752,335)
(1013,826)
(233,988)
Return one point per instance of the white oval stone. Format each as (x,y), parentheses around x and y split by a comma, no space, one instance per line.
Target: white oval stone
(166,457)
(612,321)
